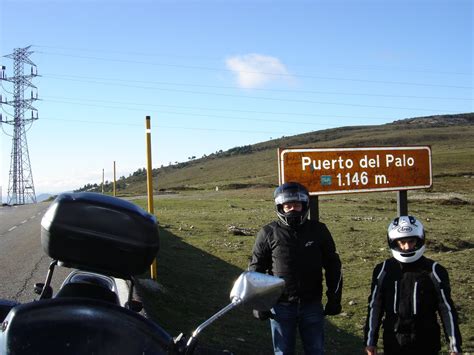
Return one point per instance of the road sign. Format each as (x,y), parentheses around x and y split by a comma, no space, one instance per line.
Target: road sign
(349,170)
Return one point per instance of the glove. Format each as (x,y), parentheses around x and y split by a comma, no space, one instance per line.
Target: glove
(332,309)
(262,315)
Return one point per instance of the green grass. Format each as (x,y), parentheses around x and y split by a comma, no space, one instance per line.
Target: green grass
(199,259)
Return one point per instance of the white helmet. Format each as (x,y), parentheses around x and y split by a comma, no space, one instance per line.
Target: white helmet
(406,227)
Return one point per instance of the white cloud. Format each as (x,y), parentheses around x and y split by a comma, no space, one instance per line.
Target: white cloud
(256,70)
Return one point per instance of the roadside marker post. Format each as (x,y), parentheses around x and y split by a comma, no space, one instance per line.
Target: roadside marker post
(325,171)
(115,180)
(149,177)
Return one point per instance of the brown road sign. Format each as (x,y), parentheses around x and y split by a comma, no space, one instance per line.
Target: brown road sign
(349,170)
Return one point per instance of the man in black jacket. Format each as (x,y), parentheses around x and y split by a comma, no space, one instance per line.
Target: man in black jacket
(297,250)
(409,290)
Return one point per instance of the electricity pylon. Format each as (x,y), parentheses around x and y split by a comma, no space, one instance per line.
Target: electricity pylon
(21,189)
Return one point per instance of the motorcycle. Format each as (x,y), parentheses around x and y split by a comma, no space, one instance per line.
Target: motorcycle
(103,238)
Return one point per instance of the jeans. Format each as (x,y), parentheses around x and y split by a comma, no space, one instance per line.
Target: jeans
(308,318)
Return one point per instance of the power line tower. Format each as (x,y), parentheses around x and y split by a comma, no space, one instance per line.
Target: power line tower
(21,189)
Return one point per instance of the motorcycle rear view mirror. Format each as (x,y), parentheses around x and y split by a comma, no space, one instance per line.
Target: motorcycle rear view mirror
(256,290)
(253,289)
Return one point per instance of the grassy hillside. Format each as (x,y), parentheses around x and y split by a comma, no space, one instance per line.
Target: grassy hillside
(200,257)
(257,164)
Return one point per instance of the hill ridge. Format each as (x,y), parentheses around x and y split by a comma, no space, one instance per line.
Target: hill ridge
(255,164)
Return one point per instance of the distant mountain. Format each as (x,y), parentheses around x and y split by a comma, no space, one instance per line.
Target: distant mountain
(43,197)
(438,121)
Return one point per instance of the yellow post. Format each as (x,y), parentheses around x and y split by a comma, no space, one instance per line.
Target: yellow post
(149,180)
(114,180)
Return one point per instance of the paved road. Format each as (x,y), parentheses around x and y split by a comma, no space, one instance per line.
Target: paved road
(22,260)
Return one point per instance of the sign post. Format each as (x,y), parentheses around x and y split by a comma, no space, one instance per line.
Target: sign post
(314,208)
(402,203)
(350,170)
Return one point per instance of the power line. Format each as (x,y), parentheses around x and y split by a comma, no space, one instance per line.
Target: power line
(193,67)
(148,54)
(80,103)
(269,98)
(105,80)
(165,126)
(280,113)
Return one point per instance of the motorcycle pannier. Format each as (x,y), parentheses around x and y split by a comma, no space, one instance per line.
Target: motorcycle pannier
(100,233)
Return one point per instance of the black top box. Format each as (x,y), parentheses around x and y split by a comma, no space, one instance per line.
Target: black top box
(100,233)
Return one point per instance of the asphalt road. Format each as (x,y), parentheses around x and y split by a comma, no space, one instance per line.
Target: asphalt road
(22,260)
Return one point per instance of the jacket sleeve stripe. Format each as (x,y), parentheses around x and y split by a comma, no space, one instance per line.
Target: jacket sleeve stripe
(372,319)
(381,271)
(434,272)
(414,297)
(339,282)
(447,309)
(395,297)
(374,314)
(452,336)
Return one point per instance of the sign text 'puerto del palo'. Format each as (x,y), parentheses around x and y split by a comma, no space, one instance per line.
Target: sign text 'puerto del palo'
(349,170)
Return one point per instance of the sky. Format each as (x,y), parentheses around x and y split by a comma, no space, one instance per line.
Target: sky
(214,75)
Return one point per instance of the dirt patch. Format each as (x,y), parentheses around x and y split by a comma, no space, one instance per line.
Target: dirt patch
(464,244)
(449,245)
(455,201)
(183,188)
(244,186)
(439,247)
(447,199)
(241,231)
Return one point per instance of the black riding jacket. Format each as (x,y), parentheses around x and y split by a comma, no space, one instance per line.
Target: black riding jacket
(298,255)
(407,296)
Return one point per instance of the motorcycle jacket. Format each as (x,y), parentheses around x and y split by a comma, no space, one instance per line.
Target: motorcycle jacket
(298,255)
(405,299)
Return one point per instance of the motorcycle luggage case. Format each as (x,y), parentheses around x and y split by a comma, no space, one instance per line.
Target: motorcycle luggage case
(100,233)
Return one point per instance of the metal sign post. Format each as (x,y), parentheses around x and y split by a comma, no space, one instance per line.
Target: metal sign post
(402,203)
(314,208)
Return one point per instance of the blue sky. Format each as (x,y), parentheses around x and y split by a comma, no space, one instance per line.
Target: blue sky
(218,74)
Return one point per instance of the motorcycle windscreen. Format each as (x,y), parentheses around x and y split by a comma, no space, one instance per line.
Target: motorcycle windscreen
(80,326)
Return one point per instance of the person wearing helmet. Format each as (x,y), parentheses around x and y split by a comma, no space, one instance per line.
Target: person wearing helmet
(298,249)
(408,290)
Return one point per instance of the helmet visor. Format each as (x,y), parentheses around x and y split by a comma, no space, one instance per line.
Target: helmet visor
(407,245)
(293,196)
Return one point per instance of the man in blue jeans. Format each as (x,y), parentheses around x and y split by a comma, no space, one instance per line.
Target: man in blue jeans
(298,249)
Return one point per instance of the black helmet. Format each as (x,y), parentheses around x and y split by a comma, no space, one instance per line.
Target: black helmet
(291,192)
